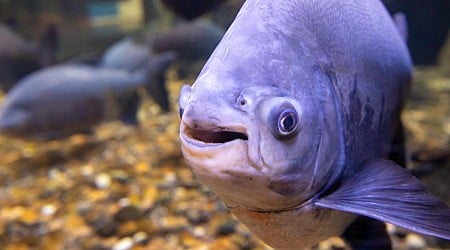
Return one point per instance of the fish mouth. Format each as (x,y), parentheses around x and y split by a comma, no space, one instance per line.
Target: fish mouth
(212,136)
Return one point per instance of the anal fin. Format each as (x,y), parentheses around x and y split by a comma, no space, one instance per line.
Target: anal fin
(385,191)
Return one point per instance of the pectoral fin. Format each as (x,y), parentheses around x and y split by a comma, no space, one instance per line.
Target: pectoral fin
(385,191)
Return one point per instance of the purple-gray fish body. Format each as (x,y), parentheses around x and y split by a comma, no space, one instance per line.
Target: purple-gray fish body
(66,99)
(292,119)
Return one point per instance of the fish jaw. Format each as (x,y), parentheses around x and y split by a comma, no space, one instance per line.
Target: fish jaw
(225,168)
(14,122)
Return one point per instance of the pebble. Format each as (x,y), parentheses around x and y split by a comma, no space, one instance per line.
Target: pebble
(227,228)
(124,244)
(170,178)
(102,181)
(199,231)
(128,213)
(104,226)
(140,237)
(87,170)
(415,241)
(48,210)
(197,217)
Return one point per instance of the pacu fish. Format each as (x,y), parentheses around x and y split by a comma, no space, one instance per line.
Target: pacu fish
(292,119)
(193,42)
(66,99)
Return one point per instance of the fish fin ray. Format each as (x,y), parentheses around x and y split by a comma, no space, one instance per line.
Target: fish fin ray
(388,192)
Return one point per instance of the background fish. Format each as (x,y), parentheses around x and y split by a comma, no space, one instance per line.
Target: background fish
(292,119)
(193,42)
(63,100)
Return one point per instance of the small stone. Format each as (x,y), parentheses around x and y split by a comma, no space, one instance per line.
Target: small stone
(124,244)
(199,232)
(149,197)
(227,228)
(140,237)
(197,217)
(48,210)
(189,241)
(87,170)
(170,177)
(127,228)
(173,222)
(102,181)
(223,243)
(415,241)
(104,226)
(124,202)
(120,175)
(128,213)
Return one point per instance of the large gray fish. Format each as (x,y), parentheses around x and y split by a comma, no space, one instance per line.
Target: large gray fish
(292,118)
(66,99)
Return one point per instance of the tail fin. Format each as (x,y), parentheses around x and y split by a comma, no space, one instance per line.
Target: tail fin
(155,84)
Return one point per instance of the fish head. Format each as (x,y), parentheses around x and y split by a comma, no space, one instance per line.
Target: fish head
(256,145)
(14,121)
(259,125)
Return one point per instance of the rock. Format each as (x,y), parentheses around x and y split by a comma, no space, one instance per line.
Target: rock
(48,210)
(102,181)
(140,237)
(415,242)
(227,228)
(129,212)
(197,217)
(124,244)
(104,226)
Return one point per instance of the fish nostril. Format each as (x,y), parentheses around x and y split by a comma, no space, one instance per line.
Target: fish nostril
(242,102)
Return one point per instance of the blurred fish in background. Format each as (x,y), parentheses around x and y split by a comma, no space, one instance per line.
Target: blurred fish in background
(63,100)
(193,42)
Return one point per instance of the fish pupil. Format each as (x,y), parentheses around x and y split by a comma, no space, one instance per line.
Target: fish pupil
(287,122)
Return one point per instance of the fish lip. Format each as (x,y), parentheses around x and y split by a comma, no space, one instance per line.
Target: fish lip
(212,135)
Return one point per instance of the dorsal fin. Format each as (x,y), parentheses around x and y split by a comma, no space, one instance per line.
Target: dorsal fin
(401,22)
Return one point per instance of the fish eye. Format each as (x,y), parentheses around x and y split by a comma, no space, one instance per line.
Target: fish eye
(287,122)
(283,120)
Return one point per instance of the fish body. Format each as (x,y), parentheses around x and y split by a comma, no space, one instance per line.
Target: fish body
(126,53)
(66,99)
(292,118)
(193,42)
